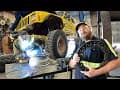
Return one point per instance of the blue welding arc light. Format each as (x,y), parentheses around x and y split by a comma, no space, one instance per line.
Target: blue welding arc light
(81,16)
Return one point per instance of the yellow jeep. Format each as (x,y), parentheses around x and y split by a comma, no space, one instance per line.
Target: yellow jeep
(52,25)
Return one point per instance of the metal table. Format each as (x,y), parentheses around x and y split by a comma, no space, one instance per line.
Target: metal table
(24,71)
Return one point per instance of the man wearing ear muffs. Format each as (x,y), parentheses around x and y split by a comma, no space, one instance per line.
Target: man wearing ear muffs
(94,66)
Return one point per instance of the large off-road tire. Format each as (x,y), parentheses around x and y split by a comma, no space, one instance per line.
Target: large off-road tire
(6,59)
(57,44)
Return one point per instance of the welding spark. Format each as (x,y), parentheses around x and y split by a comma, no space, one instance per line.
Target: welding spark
(32,51)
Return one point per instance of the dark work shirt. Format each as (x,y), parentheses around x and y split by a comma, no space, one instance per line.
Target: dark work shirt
(95,55)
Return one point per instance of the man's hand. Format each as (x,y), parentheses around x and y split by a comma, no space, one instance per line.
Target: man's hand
(113,64)
(73,62)
(90,73)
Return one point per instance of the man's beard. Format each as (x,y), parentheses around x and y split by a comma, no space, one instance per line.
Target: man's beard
(85,37)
